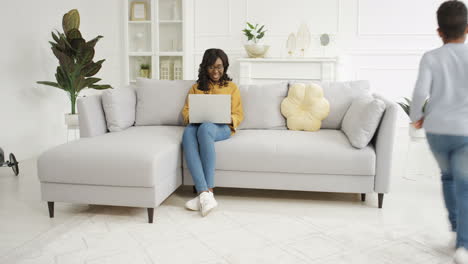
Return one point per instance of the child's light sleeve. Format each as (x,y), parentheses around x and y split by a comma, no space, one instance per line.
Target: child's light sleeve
(422,90)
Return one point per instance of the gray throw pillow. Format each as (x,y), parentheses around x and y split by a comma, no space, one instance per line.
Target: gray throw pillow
(262,106)
(119,108)
(160,102)
(362,119)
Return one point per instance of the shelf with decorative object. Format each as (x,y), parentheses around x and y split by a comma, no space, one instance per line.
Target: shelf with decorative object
(170,68)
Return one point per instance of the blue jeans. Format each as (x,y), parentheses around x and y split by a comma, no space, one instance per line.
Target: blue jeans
(451,153)
(199,150)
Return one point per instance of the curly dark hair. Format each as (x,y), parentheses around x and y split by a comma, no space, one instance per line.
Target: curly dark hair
(452,19)
(209,58)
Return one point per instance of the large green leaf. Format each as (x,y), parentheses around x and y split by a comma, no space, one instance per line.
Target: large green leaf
(83,83)
(92,68)
(49,83)
(74,34)
(100,87)
(55,37)
(85,55)
(54,45)
(71,20)
(78,44)
(93,42)
(250,25)
(65,61)
(260,29)
(63,79)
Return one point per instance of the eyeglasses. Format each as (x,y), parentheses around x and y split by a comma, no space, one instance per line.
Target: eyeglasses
(218,68)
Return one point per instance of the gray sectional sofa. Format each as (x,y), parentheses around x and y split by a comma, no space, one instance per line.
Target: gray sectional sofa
(130,153)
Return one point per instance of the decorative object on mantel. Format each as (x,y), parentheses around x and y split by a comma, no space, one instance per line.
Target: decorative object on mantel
(291,44)
(138,12)
(324,40)
(76,65)
(415,134)
(145,70)
(303,39)
(254,34)
(13,163)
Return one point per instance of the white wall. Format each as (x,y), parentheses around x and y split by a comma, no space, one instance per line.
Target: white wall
(31,114)
(378,40)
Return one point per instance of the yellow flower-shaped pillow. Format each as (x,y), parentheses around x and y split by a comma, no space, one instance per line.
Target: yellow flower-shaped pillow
(305,107)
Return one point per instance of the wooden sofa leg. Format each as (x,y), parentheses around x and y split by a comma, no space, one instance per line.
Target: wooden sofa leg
(363,197)
(381,196)
(51,209)
(150,215)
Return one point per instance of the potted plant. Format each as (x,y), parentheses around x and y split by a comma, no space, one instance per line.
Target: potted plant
(76,65)
(145,70)
(255,34)
(415,134)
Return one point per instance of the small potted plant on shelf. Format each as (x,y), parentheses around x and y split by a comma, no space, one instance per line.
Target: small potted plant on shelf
(145,70)
(255,48)
(415,134)
(76,65)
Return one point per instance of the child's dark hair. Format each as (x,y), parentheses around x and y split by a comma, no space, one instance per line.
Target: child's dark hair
(452,19)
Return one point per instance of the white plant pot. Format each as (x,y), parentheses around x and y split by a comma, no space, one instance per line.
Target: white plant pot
(256,50)
(71,120)
(416,134)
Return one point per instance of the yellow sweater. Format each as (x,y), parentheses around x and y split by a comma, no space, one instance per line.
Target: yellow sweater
(237,114)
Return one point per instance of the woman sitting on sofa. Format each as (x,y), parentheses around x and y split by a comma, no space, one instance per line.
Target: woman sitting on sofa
(198,139)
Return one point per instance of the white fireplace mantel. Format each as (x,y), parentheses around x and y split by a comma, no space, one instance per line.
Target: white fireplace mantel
(277,69)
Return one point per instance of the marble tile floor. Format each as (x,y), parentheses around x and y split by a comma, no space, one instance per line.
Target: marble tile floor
(249,226)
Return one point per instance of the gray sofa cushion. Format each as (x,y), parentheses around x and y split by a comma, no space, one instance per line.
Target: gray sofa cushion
(160,102)
(362,119)
(340,95)
(323,152)
(262,106)
(135,157)
(119,106)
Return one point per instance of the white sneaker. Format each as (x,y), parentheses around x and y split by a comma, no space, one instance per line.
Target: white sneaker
(461,256)
(207,203)
(193,204)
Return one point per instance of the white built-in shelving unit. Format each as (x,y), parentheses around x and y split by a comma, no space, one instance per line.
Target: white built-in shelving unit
(161,40)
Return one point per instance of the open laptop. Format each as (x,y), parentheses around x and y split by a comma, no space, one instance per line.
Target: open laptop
(213,108)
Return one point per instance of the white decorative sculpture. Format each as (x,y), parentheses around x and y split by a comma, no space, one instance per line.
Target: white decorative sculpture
(165,70)
(291,44)
(303,38)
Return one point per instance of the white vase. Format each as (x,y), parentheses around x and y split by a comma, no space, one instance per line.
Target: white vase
(71,120)
(416,134)
(303,39)
(291,44)
(256,50)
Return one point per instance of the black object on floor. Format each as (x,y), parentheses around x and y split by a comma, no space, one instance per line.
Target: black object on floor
(13,163)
